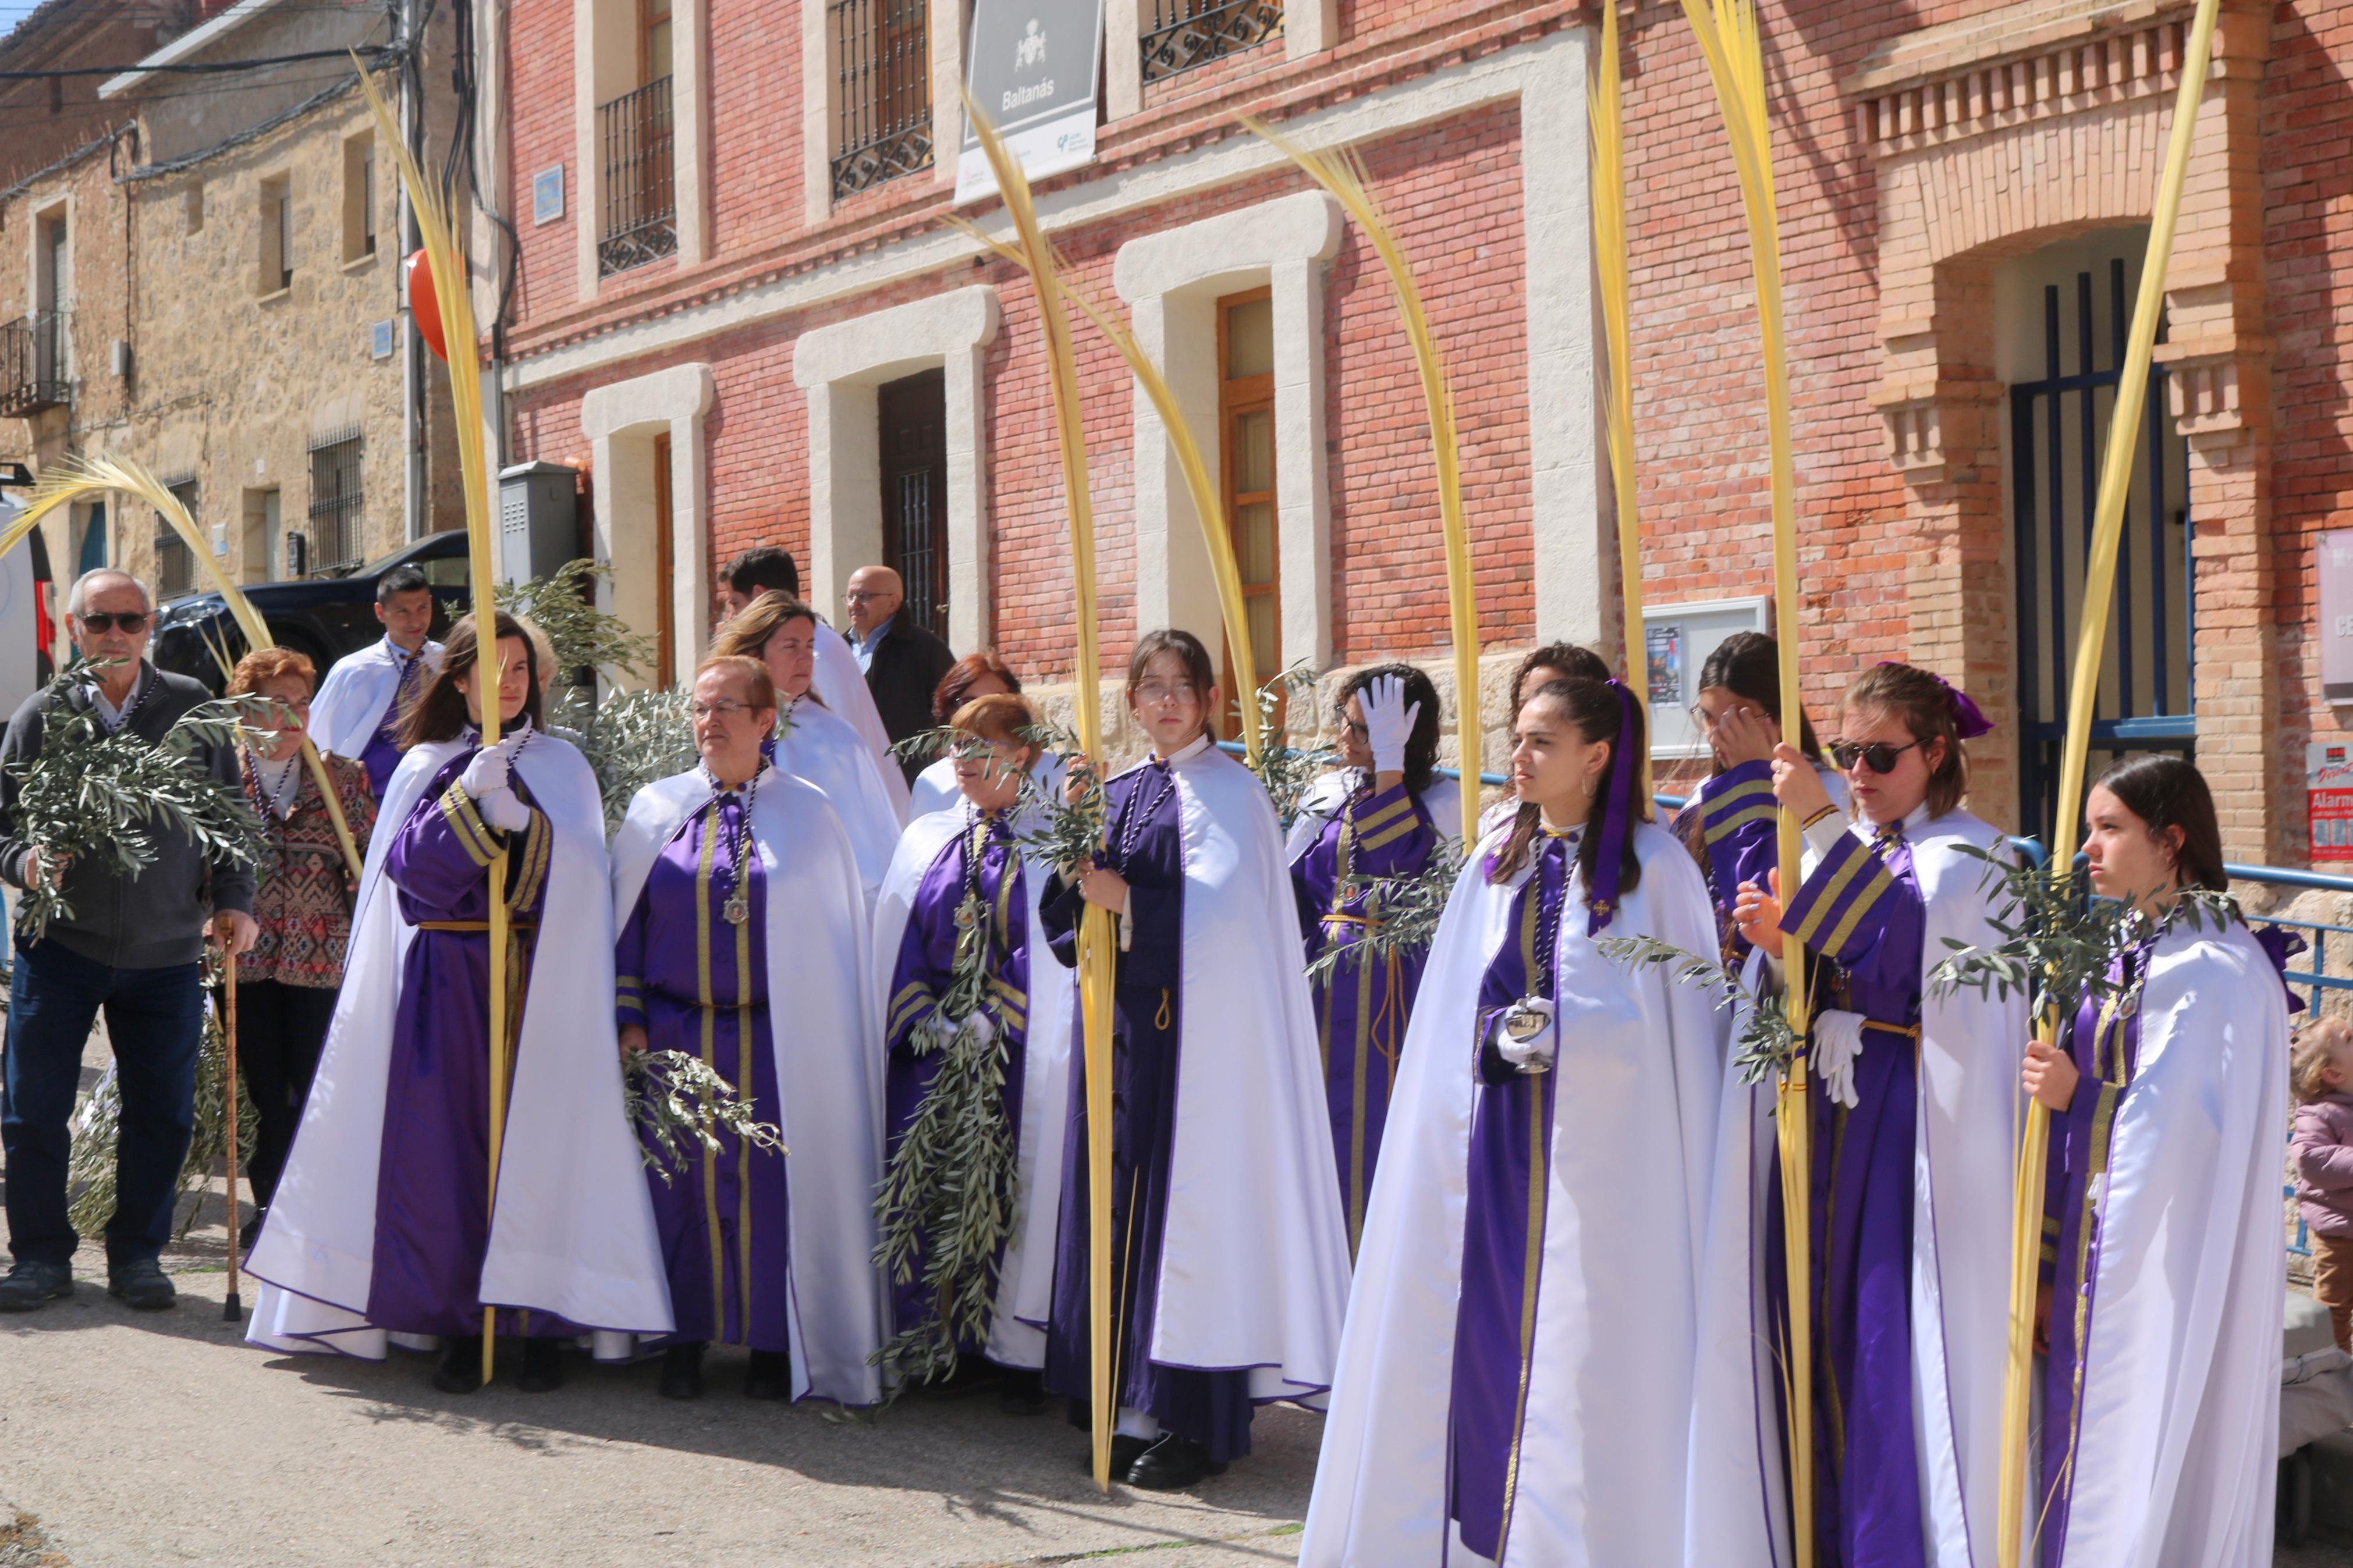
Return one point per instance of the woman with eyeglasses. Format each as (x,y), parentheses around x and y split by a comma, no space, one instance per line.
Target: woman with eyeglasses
(383,1229)
(301,902)
(970,678)
(1515,1381)
(954,934)
(1914,1112)
(811,741)
(1229,1253)
(1385,816)
(743,943)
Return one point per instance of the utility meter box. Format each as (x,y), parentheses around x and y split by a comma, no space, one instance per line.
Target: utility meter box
(538,519)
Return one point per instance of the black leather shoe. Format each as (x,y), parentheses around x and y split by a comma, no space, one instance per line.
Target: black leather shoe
(771,1376)
(1125,1451)
(1021,1393)
(1172,1463)
(543,1367)
(461,1370)
(32,1285)
(682,1373)
(141,1283)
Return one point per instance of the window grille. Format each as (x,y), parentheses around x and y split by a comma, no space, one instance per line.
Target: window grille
(641,180)
(336,496)
(883,128)
(1188,33)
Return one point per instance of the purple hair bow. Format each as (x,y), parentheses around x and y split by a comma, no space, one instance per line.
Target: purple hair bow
(1969,721)
(2280,945)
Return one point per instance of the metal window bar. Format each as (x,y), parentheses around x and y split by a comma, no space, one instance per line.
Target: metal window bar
(175,564)
(335,505)
(640,222)
(1189,33)
(884,129)
(33,364)
(917,549)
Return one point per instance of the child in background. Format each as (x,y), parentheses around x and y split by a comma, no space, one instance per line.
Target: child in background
(2322,1151)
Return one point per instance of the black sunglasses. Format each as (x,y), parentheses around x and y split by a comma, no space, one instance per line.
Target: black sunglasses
(132,621)
(1878,756)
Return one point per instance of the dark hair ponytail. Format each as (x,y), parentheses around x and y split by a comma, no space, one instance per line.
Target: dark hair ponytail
(1748,664)
(1599,713)
(2167,792)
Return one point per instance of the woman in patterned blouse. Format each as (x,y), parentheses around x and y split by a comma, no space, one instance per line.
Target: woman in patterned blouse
(286,985)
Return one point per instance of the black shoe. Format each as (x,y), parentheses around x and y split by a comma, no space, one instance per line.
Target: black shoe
(32,1285)
(1125,1451)
(141,1283)
(771,1376)
(1020,1392)
(682,1373)
(461,1370)
(543,1367)
(1172,1463)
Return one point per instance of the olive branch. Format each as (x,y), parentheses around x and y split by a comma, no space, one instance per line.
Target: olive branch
(1401,913)
(681,1104)
(1287,771)
(1763,1044)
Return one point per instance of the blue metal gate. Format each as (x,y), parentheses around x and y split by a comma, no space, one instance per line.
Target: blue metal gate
(2058,427)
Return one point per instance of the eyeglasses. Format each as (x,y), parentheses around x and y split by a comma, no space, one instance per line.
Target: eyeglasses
(860,595)
(1353,731)
(132,621)
(1878,756)
(725,708)
(1155,692)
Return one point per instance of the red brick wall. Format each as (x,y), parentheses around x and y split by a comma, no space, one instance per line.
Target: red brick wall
(539,68)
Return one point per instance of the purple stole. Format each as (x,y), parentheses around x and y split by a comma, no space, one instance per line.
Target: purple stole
(381,755)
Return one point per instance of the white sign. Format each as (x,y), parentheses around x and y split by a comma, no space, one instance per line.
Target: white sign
(1677,641)
(1035,71)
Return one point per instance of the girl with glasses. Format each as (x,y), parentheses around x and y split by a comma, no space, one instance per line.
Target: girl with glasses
(743,942)
(1230,1258)
(1914,1117)
(1515,1381)
(1384,814)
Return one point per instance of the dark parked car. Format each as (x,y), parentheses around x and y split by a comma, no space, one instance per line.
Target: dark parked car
(323,617)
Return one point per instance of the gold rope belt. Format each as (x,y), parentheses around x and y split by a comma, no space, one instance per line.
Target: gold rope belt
(1909,1031)
(1370,922)
(474,925)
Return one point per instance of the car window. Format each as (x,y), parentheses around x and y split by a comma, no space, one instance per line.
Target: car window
(449,572)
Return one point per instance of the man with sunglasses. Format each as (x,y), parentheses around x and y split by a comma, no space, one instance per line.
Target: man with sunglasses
(132,947)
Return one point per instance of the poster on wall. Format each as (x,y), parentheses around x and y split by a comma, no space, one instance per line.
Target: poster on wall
(2328,799)
(1036,70)
(1664,662)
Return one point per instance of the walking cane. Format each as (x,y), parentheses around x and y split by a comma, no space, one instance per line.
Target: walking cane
(233,1309)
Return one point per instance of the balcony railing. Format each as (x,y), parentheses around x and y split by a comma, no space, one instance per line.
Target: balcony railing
(33,364)
(1188,33)
(884,126)
(640,182)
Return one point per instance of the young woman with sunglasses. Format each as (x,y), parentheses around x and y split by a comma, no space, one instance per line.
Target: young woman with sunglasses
(1910,1277)
(1515,1376)
(1384,814)
(1231,1255)
(2163,1272)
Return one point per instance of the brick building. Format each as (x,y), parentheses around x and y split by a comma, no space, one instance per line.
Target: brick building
(775,337)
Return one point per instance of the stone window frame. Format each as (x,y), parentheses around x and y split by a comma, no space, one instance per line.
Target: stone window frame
(945,32)
(604,37)
(620,421)
(1309,29)
(840,367)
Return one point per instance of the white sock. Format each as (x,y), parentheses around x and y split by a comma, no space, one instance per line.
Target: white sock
(1134,1423)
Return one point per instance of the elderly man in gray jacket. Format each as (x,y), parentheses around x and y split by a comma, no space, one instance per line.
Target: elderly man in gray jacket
(131,947)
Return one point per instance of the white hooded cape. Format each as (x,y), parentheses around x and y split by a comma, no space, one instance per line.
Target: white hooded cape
(818,746)
(840,685)
(1601,1478)
(823,1029)
(1968,1114)
(572,1232)
(1025,1283)
(350,704)
(1329,793)
(2175,1459)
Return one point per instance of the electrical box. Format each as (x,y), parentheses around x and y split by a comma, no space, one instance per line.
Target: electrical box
(121,356)
(538,519)
(298,556)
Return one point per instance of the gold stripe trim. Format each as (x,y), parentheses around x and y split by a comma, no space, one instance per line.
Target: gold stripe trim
(1846,861)
(1391,834)
(1402,806)
(1719,828)
(472,837)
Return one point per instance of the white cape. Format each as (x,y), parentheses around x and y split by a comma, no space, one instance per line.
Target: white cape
(1025,1284)
(350,704)
(822,1029)
(934,788)
(817,746)
(1603,1447)
(572,1232)
(2174,1461)
(1968,1112)
(840,685)
(1330,792)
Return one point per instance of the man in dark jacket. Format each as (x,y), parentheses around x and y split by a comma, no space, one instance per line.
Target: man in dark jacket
(902,661)
(130,946)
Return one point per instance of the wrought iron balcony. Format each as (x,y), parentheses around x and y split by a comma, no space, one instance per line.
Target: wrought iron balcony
(33,364)
(883,128)
(641,180)
(1189,33)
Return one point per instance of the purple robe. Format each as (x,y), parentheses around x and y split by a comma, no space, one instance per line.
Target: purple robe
(1860,910)
(923,973)
(699,985)
(1147,847)
(381,755)
(1361,1013)
(1730,828)
(432,1208)
(1503,1219)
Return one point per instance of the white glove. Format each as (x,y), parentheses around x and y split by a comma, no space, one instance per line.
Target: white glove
(486,773)
(1838,1040)
(1536,1053)
(501,810)
(1388,721)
